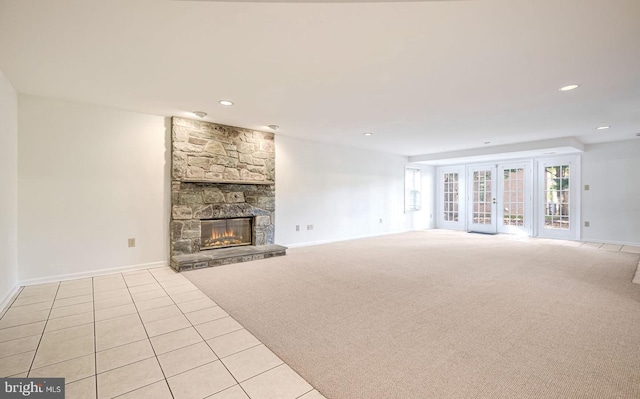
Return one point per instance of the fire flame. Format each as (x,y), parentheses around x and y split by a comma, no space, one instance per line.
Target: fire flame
(228,233)
(218,238)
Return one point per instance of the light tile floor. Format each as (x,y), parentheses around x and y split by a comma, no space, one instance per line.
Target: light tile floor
(143,334)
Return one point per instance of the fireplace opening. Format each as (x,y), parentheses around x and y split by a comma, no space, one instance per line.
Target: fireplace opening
(222,233)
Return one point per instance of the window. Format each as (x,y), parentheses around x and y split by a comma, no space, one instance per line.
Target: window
(412,188)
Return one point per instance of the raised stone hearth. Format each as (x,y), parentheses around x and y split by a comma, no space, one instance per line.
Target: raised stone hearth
(225,256)
(221,172)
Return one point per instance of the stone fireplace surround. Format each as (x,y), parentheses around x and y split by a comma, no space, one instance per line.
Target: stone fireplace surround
(219,172)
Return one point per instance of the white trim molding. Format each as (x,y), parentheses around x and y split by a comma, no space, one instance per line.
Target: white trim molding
(93,273)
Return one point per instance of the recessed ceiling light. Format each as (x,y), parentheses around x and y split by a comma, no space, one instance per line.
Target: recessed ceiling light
(368,134)
(603,127)
(225,102)
(569,87)
(273,127)
(199,114)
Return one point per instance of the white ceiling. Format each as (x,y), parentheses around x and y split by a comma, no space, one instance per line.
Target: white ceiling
(424,77)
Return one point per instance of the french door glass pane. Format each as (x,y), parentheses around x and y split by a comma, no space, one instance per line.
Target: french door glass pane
(450,190)
(513,197)
(557,203)
(482,197)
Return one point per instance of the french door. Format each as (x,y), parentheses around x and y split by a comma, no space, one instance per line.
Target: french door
(482,199)
(512,197)
(500,198)
(451,189)
(515,199)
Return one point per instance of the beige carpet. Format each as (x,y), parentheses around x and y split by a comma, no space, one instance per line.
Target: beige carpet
(439,314)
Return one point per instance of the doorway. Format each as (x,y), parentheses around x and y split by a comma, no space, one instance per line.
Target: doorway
(534,197)
(500,198)
(482,199)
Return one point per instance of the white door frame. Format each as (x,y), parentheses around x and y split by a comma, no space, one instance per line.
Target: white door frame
(573,233)
(528,198)
(491,227)
(441,223)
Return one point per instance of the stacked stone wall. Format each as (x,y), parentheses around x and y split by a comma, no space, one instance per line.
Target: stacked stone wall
(211,152)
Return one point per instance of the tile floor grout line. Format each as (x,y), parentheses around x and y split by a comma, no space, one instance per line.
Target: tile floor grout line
(311,390)
(246,349)
(30,311)
(20,353)
(11,302)
(66,328)
(266,371)
(25,323)
(192,368)
(243,350)
(22,336)
(125,365)
(42,336)
(150,343)
(95,337)
(62,361)
(14,306)
(133,390)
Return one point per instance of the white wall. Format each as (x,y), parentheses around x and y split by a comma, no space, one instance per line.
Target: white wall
(89,178)
(342,192)
(8,190)
(612,204)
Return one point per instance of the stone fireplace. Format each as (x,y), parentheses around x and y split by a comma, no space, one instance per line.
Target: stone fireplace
(222,195)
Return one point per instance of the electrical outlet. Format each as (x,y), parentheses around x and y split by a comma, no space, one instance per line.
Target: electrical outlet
(587,224)
(297,227)
(586,187)
(132,242)
(309,227)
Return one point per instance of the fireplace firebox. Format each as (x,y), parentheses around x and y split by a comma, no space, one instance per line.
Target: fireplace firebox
(222,233)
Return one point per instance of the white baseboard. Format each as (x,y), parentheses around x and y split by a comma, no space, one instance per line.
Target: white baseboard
(92,273)
(8,299)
